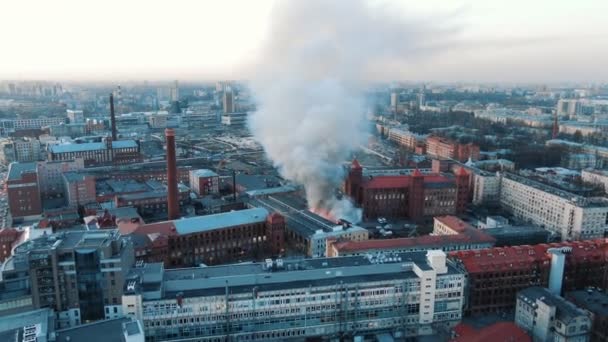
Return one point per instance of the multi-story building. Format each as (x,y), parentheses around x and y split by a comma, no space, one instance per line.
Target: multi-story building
(23,191)
(26,149)
(596,177)
(7,126)
(51,175)
(151,202)
(467,240)
(102,153)
(158,120)
(307,232)
(228,101)
(75,116)
(549,317)
(214,239)
(570,216)
(73,130)
(79,274)
(410,193)
(234,119)
(568,107)
(204,182)
(496,274)
(406,296)
(406,139)
(440,147)
(595,302)
(79,188)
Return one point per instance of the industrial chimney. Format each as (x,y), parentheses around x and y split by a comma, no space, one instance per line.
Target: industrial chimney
(112,117)
(556,275)
(172,200)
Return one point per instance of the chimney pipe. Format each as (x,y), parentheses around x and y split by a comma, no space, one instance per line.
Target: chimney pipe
(556,275)
(234,185)
(112,117)
(172,196)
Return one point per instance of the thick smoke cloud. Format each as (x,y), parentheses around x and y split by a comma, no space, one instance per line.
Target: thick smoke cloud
(309,81)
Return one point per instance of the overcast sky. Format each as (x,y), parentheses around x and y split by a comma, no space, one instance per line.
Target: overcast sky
(490,40)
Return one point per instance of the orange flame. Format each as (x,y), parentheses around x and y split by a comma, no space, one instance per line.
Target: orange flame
(324,213)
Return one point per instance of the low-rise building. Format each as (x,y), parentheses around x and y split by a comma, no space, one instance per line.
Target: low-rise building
(204,182)
(414,294)
(549,317)
(98,153)
(595,302)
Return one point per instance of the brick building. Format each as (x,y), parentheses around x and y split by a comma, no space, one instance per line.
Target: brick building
(408,194)
(212,239)
(497,274)
(23,190)
(204,182)
(440,147)
(107,152)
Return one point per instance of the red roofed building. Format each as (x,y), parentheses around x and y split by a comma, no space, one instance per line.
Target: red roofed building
(497,274)
(497,332)
(441,147)
(414,195)
(467,240)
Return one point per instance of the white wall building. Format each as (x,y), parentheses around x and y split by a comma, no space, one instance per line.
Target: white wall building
(548,317)
(571,216)
(405,295)
(597,177)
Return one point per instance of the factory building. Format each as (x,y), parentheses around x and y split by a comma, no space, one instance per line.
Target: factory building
(306,231)
(98,153)
(403,295)
(204,182)
(407,194)
(235,236)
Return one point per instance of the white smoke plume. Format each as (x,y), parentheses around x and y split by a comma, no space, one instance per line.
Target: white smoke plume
(309,82)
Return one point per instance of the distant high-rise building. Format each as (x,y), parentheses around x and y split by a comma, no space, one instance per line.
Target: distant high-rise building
(228,101)
(174,91)
(569,107)
(75,116)
(394,100)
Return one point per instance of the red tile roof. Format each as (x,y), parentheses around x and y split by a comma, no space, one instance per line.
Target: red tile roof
(497,332)
(433,241)
(454,223)
(522,257)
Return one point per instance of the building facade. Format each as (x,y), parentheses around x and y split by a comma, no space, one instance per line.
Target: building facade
(413,295)
(95,154)
(495,275)
(549,317)
(78,274)
(570,216)
(410,194)
(597,177)
(23,191)
(440,147)
(220,238)
(204,182)
(51,175)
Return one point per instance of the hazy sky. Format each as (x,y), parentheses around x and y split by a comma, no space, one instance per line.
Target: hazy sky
(489,40)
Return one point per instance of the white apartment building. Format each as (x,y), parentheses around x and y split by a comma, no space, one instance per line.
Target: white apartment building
(571,216)
(597,177)
(548,317)
(404,295)
(26,149)
(405,138)
(486,187)
(75,116)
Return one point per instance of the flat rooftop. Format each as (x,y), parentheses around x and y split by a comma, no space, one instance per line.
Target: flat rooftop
(593,300)
(295,273)
(93,146)
(101,331)
(565,310)
(15,170)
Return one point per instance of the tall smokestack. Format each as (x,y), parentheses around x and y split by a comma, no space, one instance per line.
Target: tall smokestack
(112,118)
(556,275)
(172,200)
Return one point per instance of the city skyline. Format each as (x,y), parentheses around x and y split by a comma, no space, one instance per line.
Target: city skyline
(473,41)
